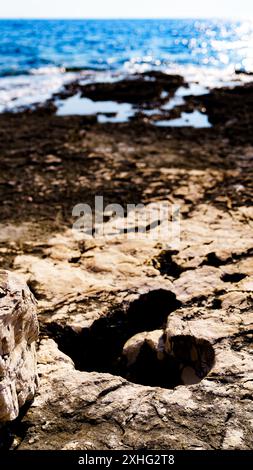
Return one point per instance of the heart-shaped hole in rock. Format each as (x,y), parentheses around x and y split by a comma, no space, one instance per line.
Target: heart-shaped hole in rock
(116,344)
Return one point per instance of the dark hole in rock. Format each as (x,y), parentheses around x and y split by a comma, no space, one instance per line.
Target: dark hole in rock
(2,293)
(74,259)
(97,348)
(213,260)
(165,264)
(151,310)
(216,304)
(148,370)
(168,361)
(131,343)
(234,277)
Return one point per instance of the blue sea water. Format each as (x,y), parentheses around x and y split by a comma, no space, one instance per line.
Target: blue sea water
(37,56)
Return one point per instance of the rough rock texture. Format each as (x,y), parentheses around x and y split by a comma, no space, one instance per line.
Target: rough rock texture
(197,319)
(80,410)
(18,333)
(143,345)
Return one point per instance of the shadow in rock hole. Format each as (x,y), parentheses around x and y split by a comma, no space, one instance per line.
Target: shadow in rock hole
(99,348)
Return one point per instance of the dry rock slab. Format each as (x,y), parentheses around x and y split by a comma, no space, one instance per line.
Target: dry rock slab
(18,334)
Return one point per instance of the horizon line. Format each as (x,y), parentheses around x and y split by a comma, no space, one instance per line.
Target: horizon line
(19,18)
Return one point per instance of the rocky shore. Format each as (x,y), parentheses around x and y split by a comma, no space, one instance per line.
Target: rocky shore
(141,346)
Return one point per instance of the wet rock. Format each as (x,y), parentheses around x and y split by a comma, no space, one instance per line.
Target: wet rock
(139,89)
(231,107)
(243,71)
(18,334)
(168,82)
(124,91)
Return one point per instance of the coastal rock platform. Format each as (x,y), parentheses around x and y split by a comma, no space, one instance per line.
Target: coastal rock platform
(143,345)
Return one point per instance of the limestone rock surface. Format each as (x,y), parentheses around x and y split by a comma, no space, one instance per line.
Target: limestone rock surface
(18,334)
(88,411)
(142,345)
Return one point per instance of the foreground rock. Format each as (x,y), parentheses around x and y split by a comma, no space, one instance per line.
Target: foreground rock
(182,320)
(87,411)
(18,333)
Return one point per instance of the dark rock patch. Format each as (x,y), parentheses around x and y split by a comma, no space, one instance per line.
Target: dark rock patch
(166,265)
(234,277)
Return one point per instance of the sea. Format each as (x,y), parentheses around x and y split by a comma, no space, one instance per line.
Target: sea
(37,57)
